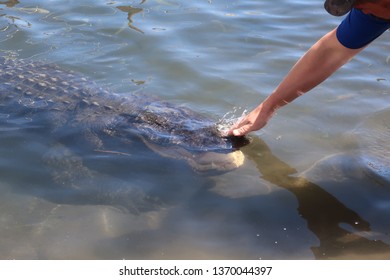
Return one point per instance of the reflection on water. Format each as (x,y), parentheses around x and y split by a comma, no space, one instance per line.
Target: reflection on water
(310,192)
(323,212)
(131,12)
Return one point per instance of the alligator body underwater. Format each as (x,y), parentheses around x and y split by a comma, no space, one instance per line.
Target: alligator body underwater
(66,105)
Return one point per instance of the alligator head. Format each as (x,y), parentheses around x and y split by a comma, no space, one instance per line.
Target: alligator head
(180,133)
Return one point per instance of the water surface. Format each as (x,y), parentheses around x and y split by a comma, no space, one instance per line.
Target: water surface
(315,183)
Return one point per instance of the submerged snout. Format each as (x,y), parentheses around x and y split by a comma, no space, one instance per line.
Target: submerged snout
(207,161)
(182,134)
(216,162)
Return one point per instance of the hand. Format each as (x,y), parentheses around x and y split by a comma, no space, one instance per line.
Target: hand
(255,120)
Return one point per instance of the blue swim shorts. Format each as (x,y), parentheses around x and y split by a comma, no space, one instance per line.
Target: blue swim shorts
(359,29)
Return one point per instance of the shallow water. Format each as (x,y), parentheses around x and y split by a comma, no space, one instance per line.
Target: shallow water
(315,183)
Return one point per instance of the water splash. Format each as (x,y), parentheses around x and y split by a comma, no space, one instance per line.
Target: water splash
(229,119)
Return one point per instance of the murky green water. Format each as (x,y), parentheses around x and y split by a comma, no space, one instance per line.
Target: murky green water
(315,183)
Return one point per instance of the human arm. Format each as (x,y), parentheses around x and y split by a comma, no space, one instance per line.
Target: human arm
(319,62)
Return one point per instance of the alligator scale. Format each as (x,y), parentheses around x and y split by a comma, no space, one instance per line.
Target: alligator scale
(67,105)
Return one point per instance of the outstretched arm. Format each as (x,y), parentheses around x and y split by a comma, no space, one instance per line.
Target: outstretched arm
(319,62)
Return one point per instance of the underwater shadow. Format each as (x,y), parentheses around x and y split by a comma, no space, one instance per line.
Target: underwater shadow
(323,212)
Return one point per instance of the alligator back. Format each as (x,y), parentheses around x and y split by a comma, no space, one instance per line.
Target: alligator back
(29,88)
(61,100)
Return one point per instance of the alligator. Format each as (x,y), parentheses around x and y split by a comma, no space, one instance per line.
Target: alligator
(67,105)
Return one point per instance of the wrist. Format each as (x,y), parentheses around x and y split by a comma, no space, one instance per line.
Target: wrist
(269,107)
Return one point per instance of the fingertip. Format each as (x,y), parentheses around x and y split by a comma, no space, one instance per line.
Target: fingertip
(236,132)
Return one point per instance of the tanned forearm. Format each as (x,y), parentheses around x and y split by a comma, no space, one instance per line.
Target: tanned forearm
(319,62)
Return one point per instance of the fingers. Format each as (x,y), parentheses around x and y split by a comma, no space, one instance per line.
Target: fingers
(244,127)
(242,130)
(255,120)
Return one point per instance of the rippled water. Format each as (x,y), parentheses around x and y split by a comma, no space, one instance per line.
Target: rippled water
(315,183)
